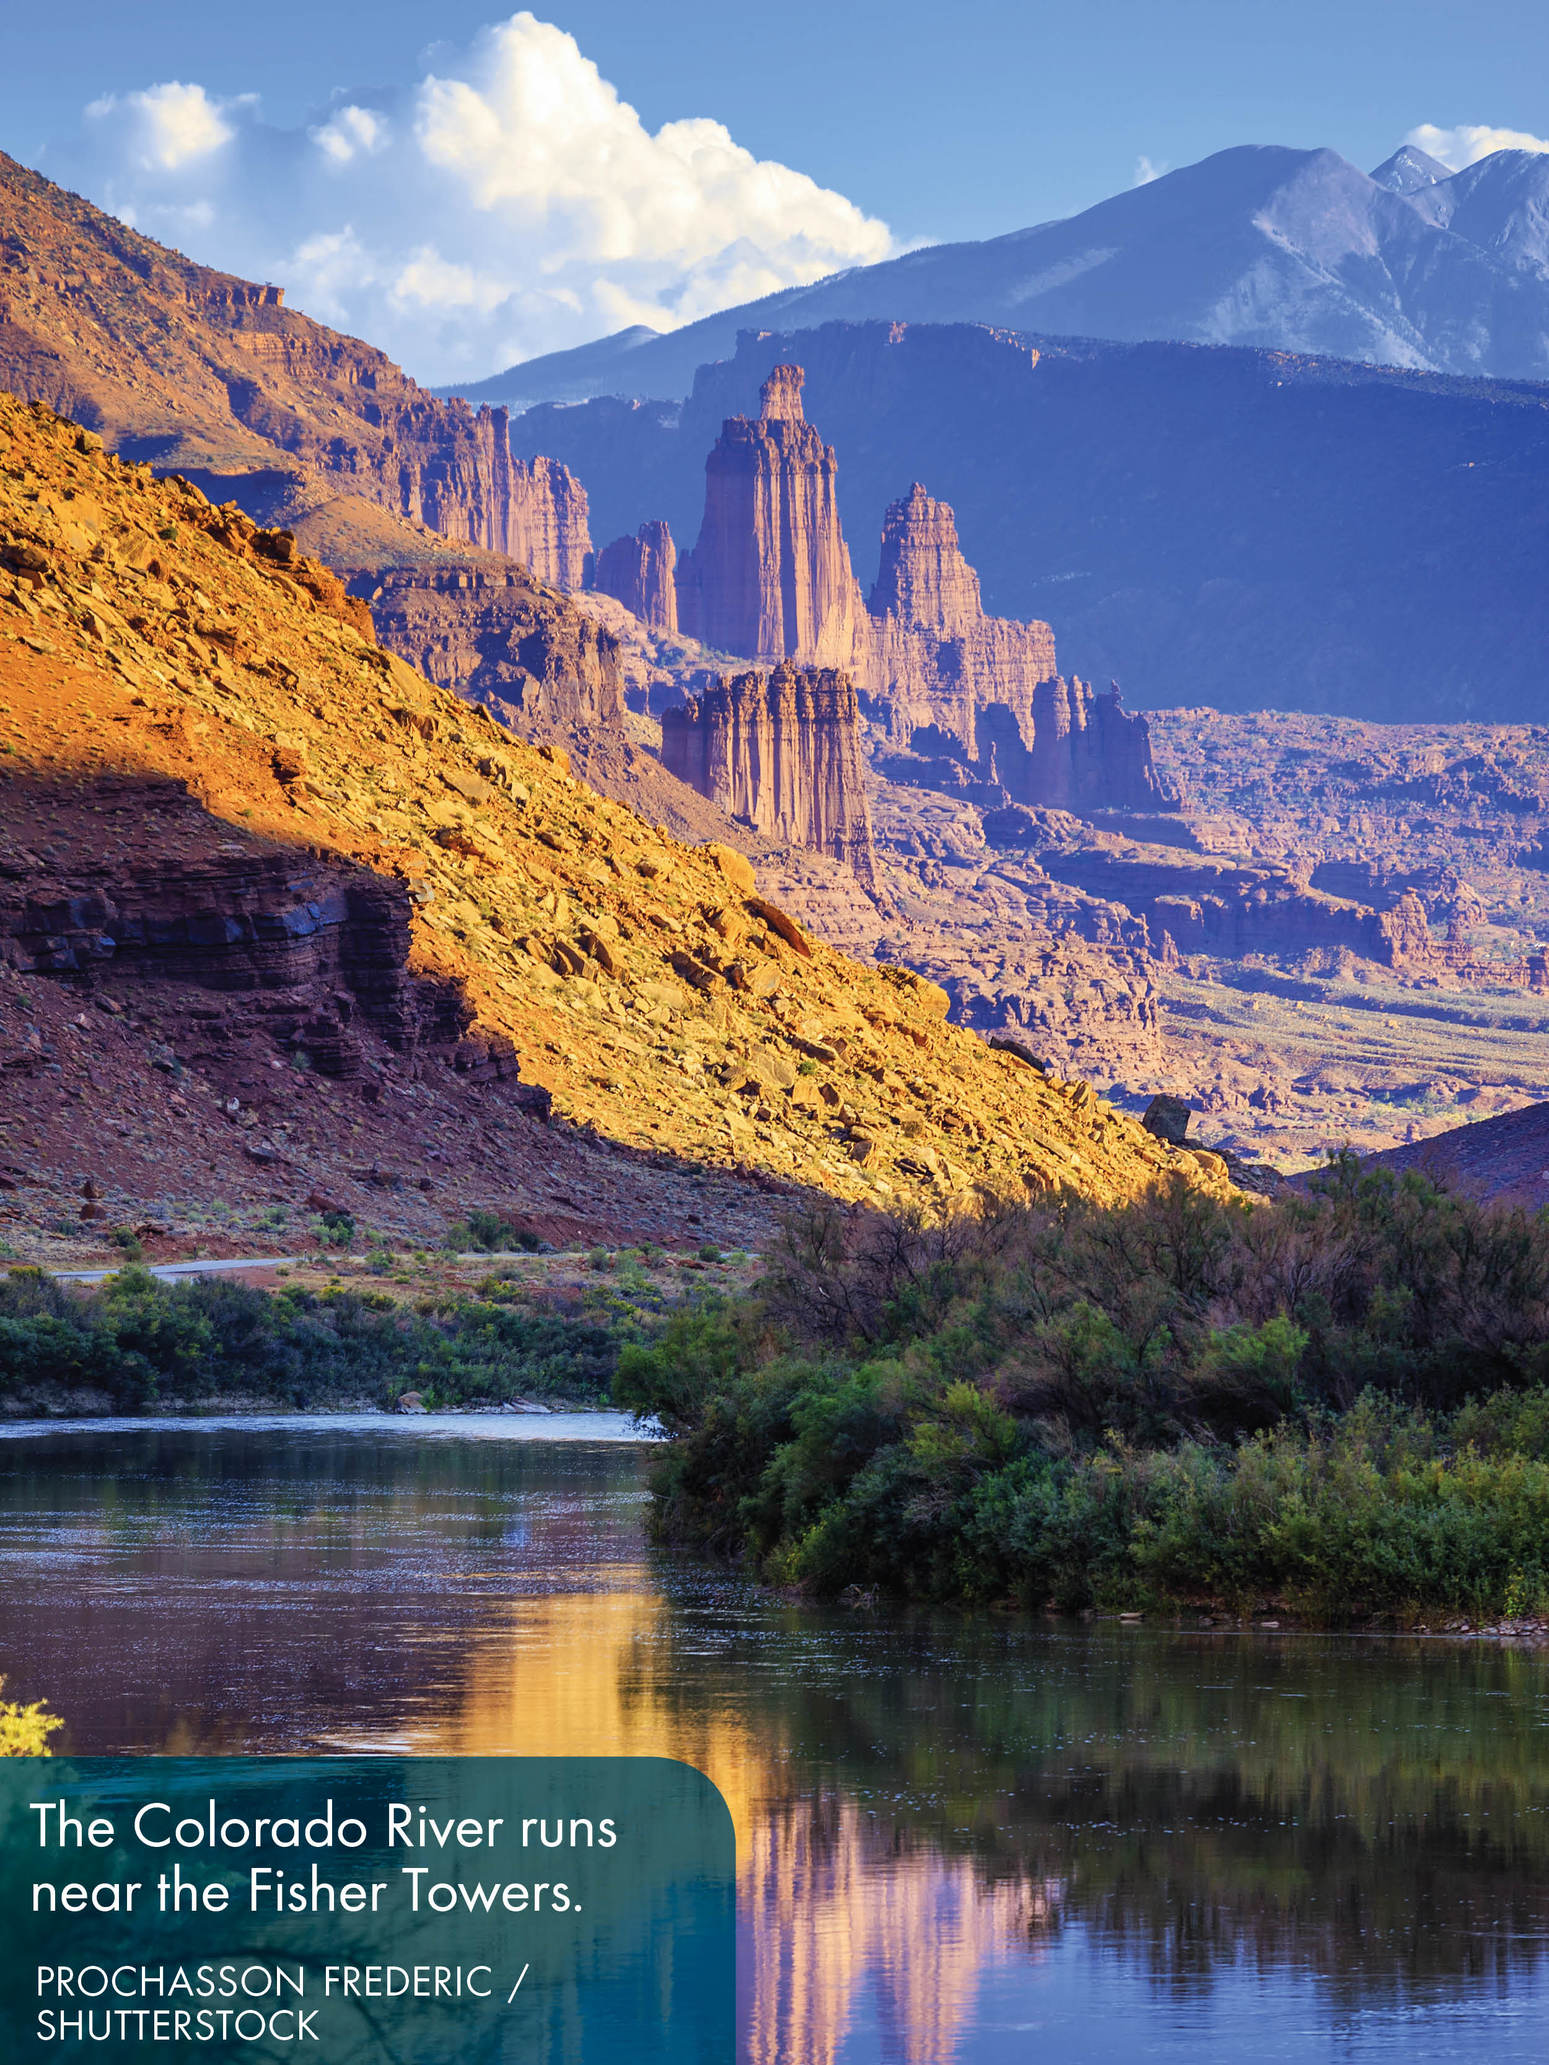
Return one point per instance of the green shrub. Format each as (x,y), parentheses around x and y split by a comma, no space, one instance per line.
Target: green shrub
(1339,1402)
(491,1232)
(138,1339)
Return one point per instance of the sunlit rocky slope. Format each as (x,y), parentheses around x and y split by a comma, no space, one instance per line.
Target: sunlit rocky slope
(282,920)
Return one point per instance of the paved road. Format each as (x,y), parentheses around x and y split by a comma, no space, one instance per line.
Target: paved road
(169,1272)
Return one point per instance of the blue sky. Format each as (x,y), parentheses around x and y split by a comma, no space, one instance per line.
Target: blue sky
(937,122)
(948,121)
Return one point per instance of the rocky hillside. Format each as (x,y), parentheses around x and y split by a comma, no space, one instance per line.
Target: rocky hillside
(282,921)
(1505,1158)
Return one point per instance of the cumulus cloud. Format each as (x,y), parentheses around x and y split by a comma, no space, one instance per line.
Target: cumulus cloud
(1471,141)
(1147,169)
(507,202)
(167,129)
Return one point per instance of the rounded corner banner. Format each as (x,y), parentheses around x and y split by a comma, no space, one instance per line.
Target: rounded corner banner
(380,1910)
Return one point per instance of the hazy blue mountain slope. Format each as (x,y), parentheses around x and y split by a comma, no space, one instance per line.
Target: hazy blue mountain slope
(1248,529)
(1264,246)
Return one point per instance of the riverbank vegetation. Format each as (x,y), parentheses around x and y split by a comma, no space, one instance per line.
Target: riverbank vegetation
(137,1341)
(1336,1403)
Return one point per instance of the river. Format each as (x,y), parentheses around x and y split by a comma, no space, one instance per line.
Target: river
(961,1837)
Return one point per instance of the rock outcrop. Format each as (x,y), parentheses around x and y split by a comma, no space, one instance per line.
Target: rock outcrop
(218,378)
(641,572)
(937,658)
(1074,749)
(783,752)
(498,639)
(770,575)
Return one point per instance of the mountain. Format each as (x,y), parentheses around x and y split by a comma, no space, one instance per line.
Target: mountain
(1410,169)
(1251,530)
(1286,250)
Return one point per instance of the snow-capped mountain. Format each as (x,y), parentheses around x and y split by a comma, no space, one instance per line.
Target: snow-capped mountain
(1287,249)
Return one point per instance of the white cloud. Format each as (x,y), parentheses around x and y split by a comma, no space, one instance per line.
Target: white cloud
(1471,141)
(1146,170)
(165,129)
(350,134)
(505,204)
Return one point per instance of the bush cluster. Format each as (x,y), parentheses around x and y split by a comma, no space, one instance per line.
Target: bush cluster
(1338,1403)
(136,1339)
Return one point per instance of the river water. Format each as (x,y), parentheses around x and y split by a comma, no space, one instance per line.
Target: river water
(961,1837)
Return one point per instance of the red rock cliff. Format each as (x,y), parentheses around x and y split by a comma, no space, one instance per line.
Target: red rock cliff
(783,751)
(498,639)
(219,377)
(1087,752)
(641,572)
(770,575)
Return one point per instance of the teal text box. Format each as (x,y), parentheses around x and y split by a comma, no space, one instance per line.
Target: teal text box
(366,1911)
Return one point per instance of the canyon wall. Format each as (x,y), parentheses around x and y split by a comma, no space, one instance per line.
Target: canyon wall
(641,572)
(199,371)
(496,638)
(782,751)
(439,463)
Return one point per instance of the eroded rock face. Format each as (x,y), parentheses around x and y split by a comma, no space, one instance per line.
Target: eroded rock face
(783,751)
(1075,749)
(641,572)
(770,575)
(936,657)
(498,639)
(311,957)
(215,373)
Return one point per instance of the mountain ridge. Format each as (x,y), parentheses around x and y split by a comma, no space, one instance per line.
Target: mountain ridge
(1260,245)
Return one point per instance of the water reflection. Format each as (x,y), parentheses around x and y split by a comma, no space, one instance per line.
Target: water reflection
(961,1838)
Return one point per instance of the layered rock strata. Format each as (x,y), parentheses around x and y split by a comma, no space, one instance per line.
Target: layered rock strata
(783,752)
(213,373)
(313,958)
(496,638)
(641,572)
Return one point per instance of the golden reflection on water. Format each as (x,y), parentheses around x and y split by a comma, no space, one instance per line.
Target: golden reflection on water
(834,1908)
